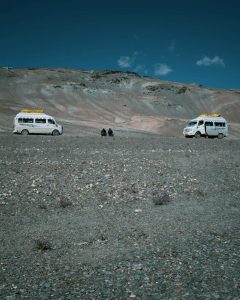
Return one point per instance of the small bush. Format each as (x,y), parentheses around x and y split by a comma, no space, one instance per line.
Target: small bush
(43,245)
(182,90)
(200,193)
(161,198)
(96,76)
(42,206)
(63,202)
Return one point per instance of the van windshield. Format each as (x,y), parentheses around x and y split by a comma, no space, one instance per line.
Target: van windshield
(51,121)
(191,124)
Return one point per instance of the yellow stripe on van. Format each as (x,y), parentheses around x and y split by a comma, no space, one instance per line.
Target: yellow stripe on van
(36,111)
(210,115)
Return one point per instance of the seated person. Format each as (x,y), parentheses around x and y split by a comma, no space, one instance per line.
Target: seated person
(110,132)
(103,132)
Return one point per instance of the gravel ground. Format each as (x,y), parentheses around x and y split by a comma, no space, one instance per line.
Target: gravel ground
(119,218)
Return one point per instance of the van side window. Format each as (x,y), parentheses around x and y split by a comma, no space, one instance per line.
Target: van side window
(209,123)
(20,120)
(41,121)
(50,121)
(200,122)
(220,124)
(27,120)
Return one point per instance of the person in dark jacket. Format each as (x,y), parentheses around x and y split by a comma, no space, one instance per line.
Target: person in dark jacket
(110,132)
(103,132)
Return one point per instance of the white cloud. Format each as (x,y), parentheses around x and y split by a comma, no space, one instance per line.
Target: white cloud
(162,69)
(207,61)
(124,61)
(127,61)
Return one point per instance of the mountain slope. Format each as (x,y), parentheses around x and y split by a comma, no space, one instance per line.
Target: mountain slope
(86,101)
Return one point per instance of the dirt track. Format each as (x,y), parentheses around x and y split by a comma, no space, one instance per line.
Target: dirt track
(78,219)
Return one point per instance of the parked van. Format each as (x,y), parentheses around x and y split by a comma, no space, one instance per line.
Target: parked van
(212,125)
(35,122)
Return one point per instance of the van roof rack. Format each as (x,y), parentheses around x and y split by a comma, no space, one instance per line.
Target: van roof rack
(210,115)
(36,111)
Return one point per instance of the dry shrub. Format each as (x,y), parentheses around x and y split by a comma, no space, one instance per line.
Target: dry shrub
(42,245)
(63,202)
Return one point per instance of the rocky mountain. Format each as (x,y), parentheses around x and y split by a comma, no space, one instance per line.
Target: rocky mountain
(85,101)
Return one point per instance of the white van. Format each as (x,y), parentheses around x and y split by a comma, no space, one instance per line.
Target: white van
(35,122)
(207,125)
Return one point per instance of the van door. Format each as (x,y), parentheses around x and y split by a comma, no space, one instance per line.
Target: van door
(28,124)
(40,126)
(51,125)
(210,128)
(200,127)
(221,128)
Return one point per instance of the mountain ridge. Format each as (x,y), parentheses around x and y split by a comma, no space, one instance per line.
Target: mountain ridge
(90,100)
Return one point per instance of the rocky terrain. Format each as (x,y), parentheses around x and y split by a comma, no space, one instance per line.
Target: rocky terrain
(86,101)
(146,214)
(129,217)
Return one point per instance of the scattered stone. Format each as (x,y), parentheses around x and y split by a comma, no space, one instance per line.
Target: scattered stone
(83,243)
(132,295)
(135,188)
(113,243)
(137,267)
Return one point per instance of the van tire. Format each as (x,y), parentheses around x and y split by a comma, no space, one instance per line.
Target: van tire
(55,132)
(220,136)
(24,132)
(197,135)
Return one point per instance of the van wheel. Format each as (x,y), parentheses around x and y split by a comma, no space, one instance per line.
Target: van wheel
(197,135)
(55,132)
(220,135)
(24,132)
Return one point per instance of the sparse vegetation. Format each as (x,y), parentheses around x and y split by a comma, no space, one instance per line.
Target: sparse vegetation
(111,72)
(42,206)
(42,245)
(64,202)
(162,198)
(182,90)
(96,76)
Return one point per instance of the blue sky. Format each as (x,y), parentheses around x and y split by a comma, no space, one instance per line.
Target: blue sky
(183,41)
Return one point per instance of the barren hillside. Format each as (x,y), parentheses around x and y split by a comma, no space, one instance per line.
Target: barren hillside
(82,100)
